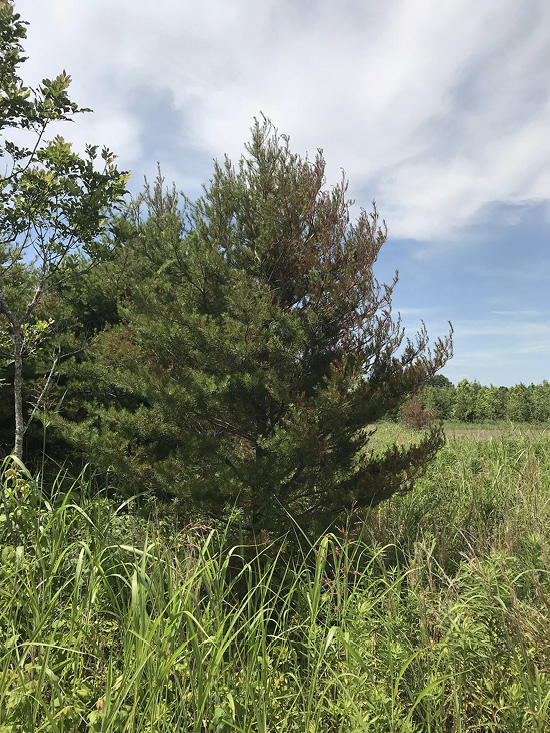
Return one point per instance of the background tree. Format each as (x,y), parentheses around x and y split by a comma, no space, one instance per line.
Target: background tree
(258,348)
(540,401)
(438,380)
(417,417)
(52,205)
(519,407)
(465,406)
(439,397)
(490,404)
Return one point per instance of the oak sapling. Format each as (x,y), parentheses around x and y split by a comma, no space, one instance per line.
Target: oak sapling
(53,204)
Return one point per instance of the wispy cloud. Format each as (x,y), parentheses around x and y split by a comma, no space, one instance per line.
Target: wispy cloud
(434,108)
(501,353)
(516,314)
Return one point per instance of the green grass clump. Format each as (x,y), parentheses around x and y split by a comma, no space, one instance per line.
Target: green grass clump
(430,614)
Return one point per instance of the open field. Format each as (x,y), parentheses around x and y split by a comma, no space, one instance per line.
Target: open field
(432,614)
(482,431)
(388,431)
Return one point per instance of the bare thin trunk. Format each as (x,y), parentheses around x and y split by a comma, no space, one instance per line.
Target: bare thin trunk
(18,390)
(17,328)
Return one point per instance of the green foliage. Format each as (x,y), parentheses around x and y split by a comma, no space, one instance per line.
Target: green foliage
(439,399)
(430,616)
(50,194)
(438,380)
(472,402)
(256,345)
(465,401)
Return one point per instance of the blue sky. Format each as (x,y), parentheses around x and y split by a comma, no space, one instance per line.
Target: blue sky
(438,110)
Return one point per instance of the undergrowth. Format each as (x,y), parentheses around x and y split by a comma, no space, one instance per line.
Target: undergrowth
(430,614)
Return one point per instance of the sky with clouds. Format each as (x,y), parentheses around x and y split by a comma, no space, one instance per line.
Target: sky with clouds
(437,109)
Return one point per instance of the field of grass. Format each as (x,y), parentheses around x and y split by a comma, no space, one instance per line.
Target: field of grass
(431,613)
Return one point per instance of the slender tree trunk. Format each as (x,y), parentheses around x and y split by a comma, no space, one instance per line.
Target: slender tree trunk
(18,390)
(17,328)
(260,518)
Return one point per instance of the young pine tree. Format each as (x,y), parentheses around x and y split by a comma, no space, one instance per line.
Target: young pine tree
(258,348)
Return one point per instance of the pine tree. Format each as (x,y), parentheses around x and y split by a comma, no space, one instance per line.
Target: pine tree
(258,348)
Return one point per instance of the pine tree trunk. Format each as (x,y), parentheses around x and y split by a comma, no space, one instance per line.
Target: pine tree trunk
(18,390)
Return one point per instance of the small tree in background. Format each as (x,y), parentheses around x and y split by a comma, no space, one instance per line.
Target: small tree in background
(416,417)
(465,403)
(257,349)
(52,207)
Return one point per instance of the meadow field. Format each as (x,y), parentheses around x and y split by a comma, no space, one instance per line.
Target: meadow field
(429,614)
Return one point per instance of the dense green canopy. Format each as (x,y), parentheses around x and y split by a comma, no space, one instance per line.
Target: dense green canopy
(256,348)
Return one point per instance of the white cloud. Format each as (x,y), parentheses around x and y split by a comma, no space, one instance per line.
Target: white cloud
(434,108)
(527,332)
(516,314)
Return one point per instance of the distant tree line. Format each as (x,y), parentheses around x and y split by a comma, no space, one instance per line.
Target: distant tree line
(473,402)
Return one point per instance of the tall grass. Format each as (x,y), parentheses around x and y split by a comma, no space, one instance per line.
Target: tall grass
(431,615)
